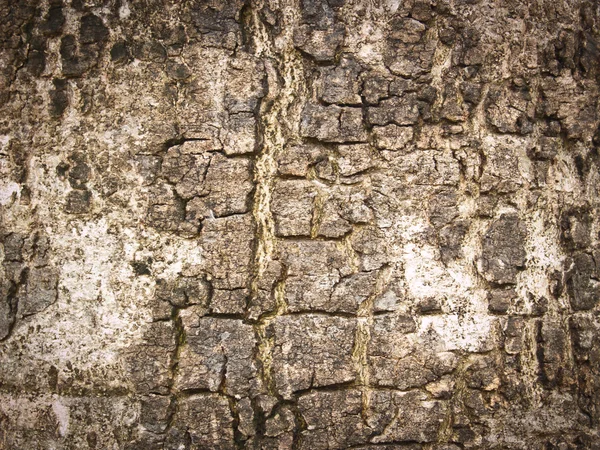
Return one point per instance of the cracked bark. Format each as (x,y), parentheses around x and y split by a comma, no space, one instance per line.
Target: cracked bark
(299,224)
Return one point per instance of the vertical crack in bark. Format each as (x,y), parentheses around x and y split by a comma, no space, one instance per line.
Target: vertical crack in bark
(285,79)
(12,299)
(180,338)
(363,335)
(530,368)
(455,403)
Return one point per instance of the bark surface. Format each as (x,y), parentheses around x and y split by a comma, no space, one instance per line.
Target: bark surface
(300,224)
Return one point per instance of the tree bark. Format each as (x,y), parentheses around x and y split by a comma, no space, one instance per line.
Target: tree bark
(300,224)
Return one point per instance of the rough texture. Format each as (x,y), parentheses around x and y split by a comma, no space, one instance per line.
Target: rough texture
(300,224)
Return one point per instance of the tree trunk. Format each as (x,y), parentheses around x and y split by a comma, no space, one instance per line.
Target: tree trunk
(307,224)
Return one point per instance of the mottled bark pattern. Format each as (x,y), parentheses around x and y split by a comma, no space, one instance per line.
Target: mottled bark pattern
(300,224)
